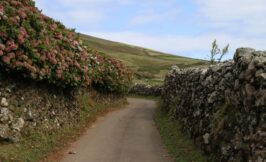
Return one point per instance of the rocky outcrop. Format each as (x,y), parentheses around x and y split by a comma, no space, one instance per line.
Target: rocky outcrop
(146,90)
(222,107)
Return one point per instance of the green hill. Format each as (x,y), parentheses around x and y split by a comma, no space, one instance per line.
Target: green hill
(149,65)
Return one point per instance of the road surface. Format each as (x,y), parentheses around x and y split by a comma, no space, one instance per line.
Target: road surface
(126,135)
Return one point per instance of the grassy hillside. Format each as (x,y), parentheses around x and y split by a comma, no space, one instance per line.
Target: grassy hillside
(149,65)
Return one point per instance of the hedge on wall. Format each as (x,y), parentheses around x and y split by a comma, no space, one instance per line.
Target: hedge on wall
(43,49)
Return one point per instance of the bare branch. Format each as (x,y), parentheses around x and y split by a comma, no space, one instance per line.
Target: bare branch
(216,51)
(225,50)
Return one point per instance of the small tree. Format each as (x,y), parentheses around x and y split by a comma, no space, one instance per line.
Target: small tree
(216,52)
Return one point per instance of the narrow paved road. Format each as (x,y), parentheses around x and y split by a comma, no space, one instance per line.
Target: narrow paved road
(127,135)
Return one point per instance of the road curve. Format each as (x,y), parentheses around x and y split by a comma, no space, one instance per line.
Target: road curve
(126,135)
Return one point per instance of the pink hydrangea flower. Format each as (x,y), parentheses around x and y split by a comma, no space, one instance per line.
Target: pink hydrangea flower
(17,18)
(53,27)
(11,46)
(11,55)
(24,57)
(59,36)
(3,34)
(22,14)
(22,35)
(6,59)
(43,58)
(2,47)
(21,39)
(33,69)
(77,78)
(35,43)
(23,31)
(18,64)
(29,61)
(75,43)
(77,64)
(14,20)
(2,9)
(59,73)
(15,3)
(53,61)
(42,72)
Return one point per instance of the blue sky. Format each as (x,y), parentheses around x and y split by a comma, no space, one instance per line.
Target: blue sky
(181,27)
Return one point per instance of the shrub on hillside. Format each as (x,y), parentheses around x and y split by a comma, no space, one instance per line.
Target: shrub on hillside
(43,49)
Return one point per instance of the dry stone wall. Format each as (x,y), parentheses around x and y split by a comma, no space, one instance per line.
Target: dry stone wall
(222,107)
(146,90)
(26,108)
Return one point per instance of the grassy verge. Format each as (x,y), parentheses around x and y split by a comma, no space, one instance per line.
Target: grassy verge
(36,146)
(179,145)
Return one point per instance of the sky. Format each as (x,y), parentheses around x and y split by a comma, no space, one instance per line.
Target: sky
(180,27)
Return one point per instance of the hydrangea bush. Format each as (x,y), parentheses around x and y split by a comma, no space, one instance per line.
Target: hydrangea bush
(114,76)
(43,49)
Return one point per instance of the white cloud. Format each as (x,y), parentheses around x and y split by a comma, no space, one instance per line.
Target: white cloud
(243,16)
(92,12)
(232,9)
(85,16)
(73,13)
(96,12)
(144,18)
(151,16)
(90,4)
